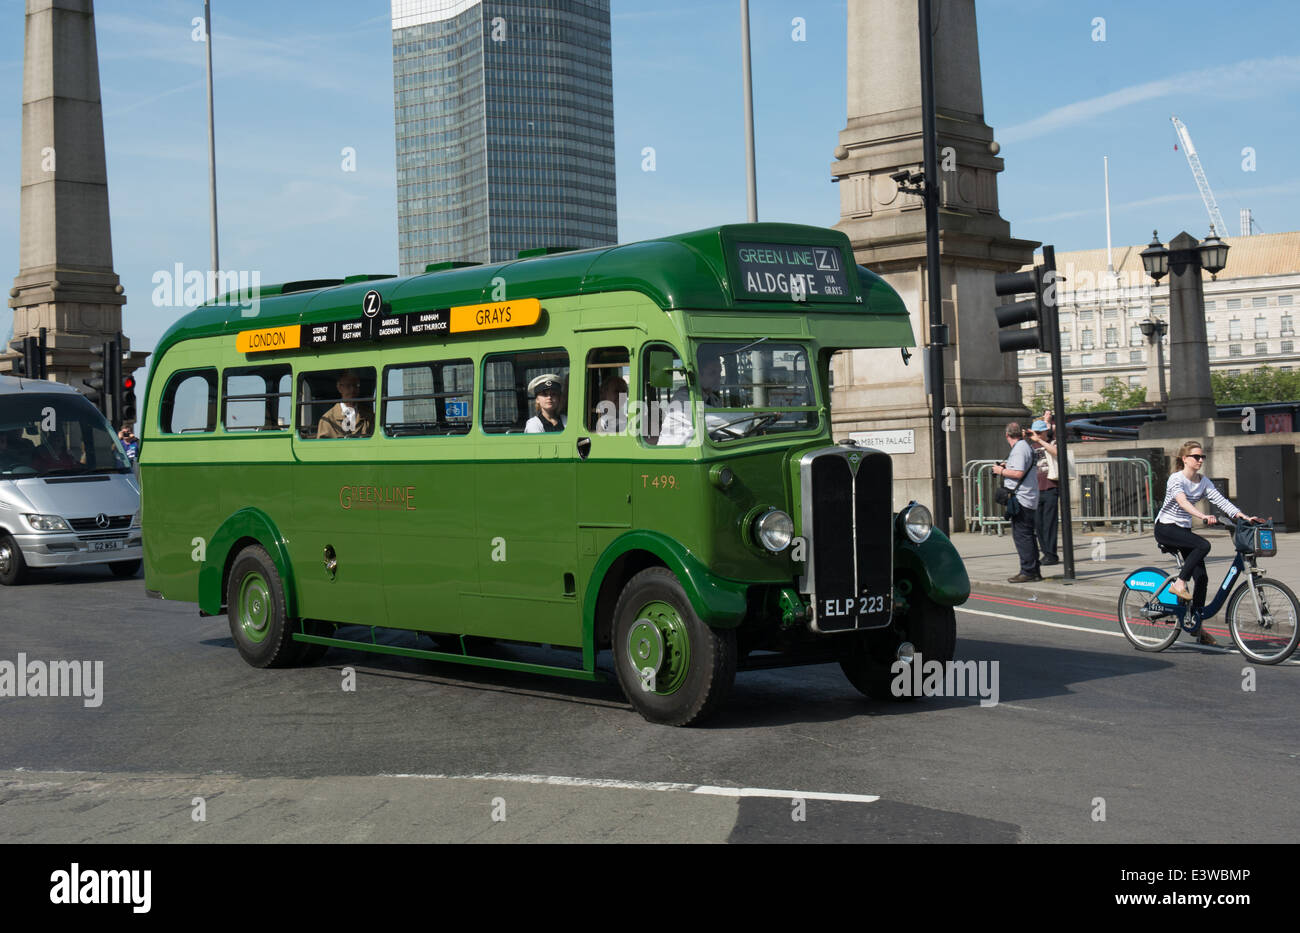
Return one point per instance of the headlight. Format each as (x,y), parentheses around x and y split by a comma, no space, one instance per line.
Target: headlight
(47,523)
(135,519)
(917,522)
(774,530)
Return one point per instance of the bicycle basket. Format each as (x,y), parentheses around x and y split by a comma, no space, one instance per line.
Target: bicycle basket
(1255,539)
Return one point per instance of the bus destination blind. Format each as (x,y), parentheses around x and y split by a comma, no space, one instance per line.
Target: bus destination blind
(439,322)
(790,272)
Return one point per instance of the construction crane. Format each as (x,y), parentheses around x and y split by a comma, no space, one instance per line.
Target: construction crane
(1193,160)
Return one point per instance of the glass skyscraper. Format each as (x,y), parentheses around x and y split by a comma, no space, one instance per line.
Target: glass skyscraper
(505,128)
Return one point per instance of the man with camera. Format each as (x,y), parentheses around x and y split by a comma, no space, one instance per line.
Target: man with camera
(1020,480)
(1043,440)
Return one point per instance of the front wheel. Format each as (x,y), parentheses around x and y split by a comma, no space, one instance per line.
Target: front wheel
(673,668)
(1264,626)
(125,568)
(1148,624)
(867,658)
(13,568)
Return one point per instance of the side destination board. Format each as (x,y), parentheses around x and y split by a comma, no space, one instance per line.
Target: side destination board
(440,322)
(790,272)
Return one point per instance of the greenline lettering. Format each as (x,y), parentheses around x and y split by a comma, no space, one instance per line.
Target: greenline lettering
(377,497)
(777,257)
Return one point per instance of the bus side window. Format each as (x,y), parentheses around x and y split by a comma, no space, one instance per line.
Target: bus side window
(257,398)
(336,403)
(507,406)
(608,370)
(189,403)
(666,412)
(426,399)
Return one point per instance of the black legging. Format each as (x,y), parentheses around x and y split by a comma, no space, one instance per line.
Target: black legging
(1193,549)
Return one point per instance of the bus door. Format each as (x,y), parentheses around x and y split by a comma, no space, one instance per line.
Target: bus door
(338,495)
(606,447)
(429,536)
(524,500)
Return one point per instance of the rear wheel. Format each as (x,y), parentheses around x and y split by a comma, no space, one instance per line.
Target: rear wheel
(259,622)
(1266,632)
(672,667)
(13,568)
(1148,624)
(868,657)
(125,568)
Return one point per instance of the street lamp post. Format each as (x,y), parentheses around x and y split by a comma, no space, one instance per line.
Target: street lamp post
(1190,396)
(1154,330)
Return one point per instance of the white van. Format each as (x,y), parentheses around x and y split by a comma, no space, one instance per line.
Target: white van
(68,493)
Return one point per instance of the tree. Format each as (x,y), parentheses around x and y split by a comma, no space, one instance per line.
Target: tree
(1264,384)
(1115,396)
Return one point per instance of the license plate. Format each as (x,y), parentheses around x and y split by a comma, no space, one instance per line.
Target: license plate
(107,545)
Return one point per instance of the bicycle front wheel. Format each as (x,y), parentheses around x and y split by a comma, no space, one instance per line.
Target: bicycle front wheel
(1148,625)
(1264,627)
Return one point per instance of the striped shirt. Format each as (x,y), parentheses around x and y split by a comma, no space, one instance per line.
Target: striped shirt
(1171,513)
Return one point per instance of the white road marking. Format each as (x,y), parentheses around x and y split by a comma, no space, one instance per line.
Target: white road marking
(1073,628)
(710,790)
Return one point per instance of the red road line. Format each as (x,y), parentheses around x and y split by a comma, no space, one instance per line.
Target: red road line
(1087,613)
(1038,604)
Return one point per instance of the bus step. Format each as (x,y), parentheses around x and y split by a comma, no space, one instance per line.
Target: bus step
(524,666)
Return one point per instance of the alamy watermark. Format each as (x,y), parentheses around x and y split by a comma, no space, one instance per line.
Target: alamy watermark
(945,678)
(80,885)
(36,678)
(178,287)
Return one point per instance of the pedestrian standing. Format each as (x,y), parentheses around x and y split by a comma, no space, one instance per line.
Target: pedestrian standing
(1020,475)
(1043,439)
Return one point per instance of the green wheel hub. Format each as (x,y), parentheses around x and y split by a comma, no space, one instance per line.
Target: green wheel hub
(659,648)
(254,607)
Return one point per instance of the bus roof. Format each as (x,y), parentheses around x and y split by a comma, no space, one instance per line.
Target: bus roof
(700,270)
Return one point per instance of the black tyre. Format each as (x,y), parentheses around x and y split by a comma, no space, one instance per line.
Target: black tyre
(255,604)
(1267,631)
(1148,624)
(867,657)
(13,567)
(125,568)
(309,653)
(673,668)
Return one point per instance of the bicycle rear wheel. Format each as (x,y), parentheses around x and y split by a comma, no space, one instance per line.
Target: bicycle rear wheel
(1145,622)
(1266,633)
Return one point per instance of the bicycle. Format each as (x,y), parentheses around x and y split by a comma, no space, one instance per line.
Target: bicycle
(1261,614)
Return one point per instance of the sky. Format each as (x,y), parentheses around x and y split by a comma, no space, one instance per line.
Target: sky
(297,82)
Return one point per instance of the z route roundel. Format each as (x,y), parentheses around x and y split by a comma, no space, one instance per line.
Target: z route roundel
(371,303)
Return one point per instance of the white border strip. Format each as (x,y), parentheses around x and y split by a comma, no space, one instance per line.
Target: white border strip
(709,789)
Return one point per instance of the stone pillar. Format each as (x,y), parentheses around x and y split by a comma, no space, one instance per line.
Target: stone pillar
(1190,395)
(873,388)
(65,280)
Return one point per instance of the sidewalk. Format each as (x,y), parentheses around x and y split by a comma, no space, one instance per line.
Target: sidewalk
(990,559)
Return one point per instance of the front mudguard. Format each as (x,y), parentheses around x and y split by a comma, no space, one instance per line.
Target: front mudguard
(249,523)
(936,566)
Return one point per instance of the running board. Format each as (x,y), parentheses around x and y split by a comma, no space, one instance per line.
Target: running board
(523,666)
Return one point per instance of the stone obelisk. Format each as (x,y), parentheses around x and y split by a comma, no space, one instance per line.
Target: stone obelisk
(874,389)
(65,280)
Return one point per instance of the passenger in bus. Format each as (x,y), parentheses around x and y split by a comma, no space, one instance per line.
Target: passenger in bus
(548,396)
(348,418)
(611,412)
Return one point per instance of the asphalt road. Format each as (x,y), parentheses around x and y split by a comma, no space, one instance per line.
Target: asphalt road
(1167,747)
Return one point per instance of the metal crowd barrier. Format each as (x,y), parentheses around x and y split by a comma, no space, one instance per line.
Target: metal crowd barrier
(1113,491)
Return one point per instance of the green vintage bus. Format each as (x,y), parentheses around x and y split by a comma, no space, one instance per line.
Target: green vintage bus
(625,448)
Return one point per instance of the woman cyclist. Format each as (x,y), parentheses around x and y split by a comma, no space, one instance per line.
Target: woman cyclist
(1174,523)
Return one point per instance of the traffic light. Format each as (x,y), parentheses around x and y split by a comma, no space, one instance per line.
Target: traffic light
(105,383)
(31,356)
(1035,308)
(128,399)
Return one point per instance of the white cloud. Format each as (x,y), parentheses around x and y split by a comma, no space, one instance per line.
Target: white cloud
(1244,78)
